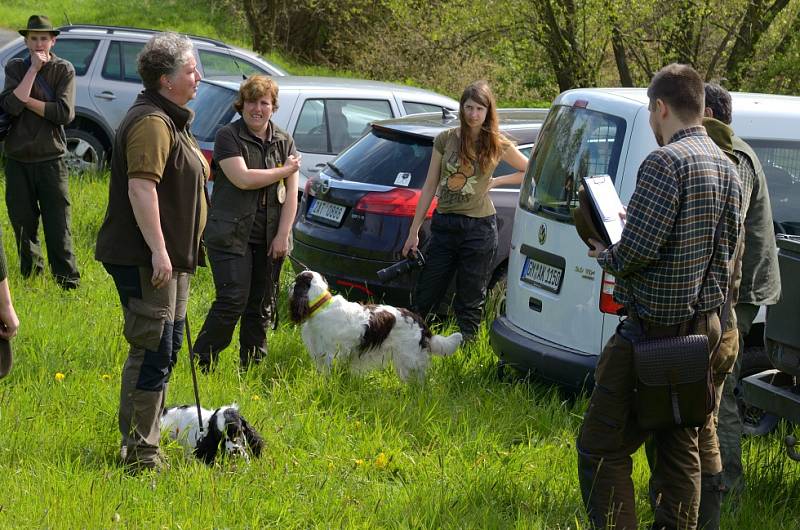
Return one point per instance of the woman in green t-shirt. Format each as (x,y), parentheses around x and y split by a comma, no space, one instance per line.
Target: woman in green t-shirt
(464,229)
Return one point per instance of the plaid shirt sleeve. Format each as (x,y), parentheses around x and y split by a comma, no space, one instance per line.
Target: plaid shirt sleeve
(650,217)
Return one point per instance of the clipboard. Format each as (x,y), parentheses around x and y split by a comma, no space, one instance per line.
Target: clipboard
(606,207)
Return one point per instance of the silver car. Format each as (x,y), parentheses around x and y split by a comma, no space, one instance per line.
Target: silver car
(323,114)
(107,82)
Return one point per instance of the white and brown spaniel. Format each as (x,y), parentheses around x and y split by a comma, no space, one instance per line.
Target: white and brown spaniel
(364,336)
(225,432)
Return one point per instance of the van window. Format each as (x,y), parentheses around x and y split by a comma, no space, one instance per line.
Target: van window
(120,63)
(781,162)
(327,126)
(573,143)
(225,64)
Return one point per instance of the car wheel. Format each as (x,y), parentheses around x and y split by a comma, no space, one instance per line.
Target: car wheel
(85,153)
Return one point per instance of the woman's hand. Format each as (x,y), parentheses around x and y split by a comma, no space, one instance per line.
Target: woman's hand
(162,269)
(9,323)
(292,164)
(411,243)
(279,247)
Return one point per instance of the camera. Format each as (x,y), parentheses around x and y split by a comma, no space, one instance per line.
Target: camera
(415,261)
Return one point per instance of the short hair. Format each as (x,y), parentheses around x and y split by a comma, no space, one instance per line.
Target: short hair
(164,54)
(681,88)
(254,88)
(719,101)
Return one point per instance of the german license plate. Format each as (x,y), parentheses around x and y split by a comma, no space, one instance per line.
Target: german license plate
(326,211)
(542,275)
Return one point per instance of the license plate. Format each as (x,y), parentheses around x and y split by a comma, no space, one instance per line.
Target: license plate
(326,211)
(542,275)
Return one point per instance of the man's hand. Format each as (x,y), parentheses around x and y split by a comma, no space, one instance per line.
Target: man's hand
(162,269)
(598,248)
(411,244)
(39,59)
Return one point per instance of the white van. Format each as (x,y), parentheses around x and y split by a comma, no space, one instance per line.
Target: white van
(559,312)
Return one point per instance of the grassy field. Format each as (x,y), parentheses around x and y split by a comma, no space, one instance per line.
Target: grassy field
(464,450)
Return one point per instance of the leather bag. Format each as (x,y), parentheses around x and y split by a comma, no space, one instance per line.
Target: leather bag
(674,387)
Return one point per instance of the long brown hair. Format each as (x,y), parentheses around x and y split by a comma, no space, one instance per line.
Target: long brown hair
(491,144)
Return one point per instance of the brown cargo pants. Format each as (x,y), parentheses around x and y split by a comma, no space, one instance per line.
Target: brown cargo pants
(154,325)
(610,435)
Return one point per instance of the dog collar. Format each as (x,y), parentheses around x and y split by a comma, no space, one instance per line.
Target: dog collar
(318,303)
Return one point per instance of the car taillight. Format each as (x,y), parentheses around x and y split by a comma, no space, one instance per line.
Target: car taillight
(208,154)
(607,303)
(399,202)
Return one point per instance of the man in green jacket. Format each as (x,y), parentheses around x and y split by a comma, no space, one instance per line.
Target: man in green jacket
(39,93)
(760,283)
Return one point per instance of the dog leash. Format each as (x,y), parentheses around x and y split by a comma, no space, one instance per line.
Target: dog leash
(194,371)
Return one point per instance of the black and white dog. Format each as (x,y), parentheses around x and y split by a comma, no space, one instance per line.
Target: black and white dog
(365,336)
(225,432)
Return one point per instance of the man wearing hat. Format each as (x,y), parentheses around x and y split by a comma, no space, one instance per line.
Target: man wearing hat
(39,93)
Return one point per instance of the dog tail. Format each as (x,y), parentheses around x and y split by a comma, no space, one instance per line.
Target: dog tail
(441,345)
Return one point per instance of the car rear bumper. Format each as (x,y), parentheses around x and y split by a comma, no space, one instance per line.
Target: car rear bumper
(350,275)
(571,369)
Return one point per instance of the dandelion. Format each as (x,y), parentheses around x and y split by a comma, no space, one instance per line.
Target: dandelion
(59,376)
(357,424)
(106,377)
(359,462)
(381,461)
(330,466)
(256,397)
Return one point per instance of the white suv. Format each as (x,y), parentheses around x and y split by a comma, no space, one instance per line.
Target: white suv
(106,80)
(559,312)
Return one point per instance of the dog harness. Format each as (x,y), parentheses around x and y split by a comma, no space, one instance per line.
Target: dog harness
(319,302)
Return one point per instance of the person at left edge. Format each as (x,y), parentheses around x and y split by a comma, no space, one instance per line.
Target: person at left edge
(39,92)
(249,225)
(149,241)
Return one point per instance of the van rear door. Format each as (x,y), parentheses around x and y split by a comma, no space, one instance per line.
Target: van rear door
(553,286)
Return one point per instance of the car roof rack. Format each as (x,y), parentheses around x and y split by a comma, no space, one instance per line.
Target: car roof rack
(114,29)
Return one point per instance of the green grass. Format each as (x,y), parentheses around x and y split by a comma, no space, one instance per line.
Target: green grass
(463,450)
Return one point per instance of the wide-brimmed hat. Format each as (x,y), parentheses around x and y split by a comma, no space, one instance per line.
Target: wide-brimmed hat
(39,23)
(6,357)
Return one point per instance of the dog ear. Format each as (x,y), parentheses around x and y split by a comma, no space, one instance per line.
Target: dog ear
(208,446)
(254,440)
(298,302)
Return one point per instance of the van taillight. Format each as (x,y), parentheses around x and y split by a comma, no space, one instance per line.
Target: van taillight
(607,303)
(399,202)
(580,104)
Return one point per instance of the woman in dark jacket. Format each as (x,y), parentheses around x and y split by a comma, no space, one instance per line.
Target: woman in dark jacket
(250,221)
(150,238)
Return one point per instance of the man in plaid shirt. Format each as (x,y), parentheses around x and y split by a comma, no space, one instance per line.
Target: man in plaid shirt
(684,189)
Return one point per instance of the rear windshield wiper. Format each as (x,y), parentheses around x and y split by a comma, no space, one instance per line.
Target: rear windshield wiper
(335,169)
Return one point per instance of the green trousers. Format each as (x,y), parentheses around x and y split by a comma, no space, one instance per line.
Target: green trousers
(41,189)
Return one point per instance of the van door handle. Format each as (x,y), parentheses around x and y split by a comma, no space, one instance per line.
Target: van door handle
(107,95)
(316,169)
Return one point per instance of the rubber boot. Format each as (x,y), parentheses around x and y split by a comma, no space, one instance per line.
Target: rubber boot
(710,502)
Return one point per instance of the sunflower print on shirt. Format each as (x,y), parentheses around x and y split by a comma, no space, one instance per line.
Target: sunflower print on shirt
(458,180)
